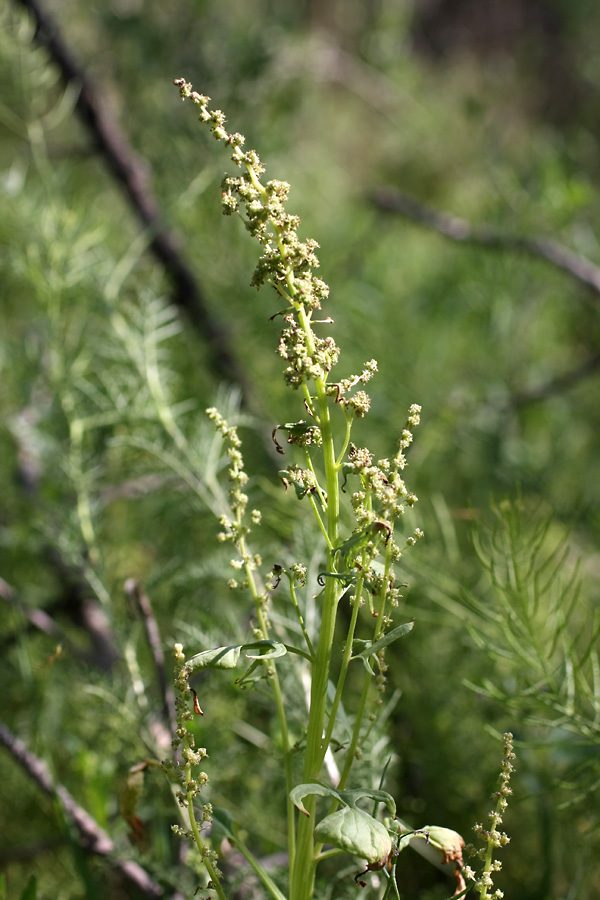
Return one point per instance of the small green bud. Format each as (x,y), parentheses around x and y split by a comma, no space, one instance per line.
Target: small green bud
(448,842)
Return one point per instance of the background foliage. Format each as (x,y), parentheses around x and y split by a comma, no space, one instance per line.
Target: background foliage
(493,116)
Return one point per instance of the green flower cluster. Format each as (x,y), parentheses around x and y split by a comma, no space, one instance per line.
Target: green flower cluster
(491,837)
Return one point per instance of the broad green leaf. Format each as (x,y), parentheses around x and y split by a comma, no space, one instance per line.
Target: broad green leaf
(347,798)
(301,791)
(352,797)
(356,832)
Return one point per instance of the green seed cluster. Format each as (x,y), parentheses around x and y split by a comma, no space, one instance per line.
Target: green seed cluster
(190,757)
(492,838)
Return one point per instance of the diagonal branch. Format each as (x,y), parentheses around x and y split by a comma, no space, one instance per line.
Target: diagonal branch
(556,254)
(457,229)
(131,172)
(92,838)
(557,385)
(135,593)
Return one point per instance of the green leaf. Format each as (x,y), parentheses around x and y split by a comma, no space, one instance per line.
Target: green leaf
(268,649)
(347,798)
(356,542)
(222,826)
(219,658)
(356,832)
(228,657)
(301,791)
(369,649)
(30,890)
(295,431)
(351,797)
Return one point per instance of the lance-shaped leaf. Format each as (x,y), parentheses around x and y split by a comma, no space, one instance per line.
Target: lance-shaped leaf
(222,826)
(266,649)
(367,649)
(218,658)
(228,657)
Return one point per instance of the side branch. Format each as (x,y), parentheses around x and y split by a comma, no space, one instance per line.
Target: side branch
(93,839)
(131,172)
(457,229)
(135,593)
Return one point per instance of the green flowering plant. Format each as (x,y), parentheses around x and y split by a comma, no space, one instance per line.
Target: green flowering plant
(341,482)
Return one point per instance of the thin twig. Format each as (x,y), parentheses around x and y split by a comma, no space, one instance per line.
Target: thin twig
(457,229)
(85,612)
(132,173)
(134,591)
(92,838)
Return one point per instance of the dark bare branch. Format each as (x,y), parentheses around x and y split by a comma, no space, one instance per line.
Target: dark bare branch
(133,175)
(456,229)
(556,385)
(134,591)
(559,256)
(92,838)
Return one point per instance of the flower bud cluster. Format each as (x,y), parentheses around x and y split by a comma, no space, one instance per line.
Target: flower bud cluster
(305,362)
(234,527)
(383,495)
(492,838)
(360,402)
(190,756)
(286,262)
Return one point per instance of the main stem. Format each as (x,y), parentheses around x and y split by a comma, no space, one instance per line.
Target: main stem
(303,870)
(302,864)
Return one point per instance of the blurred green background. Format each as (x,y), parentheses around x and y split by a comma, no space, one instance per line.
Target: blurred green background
(488,111)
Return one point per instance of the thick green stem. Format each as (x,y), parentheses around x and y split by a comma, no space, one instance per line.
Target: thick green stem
(303,871)
(347,655)
(279,702)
